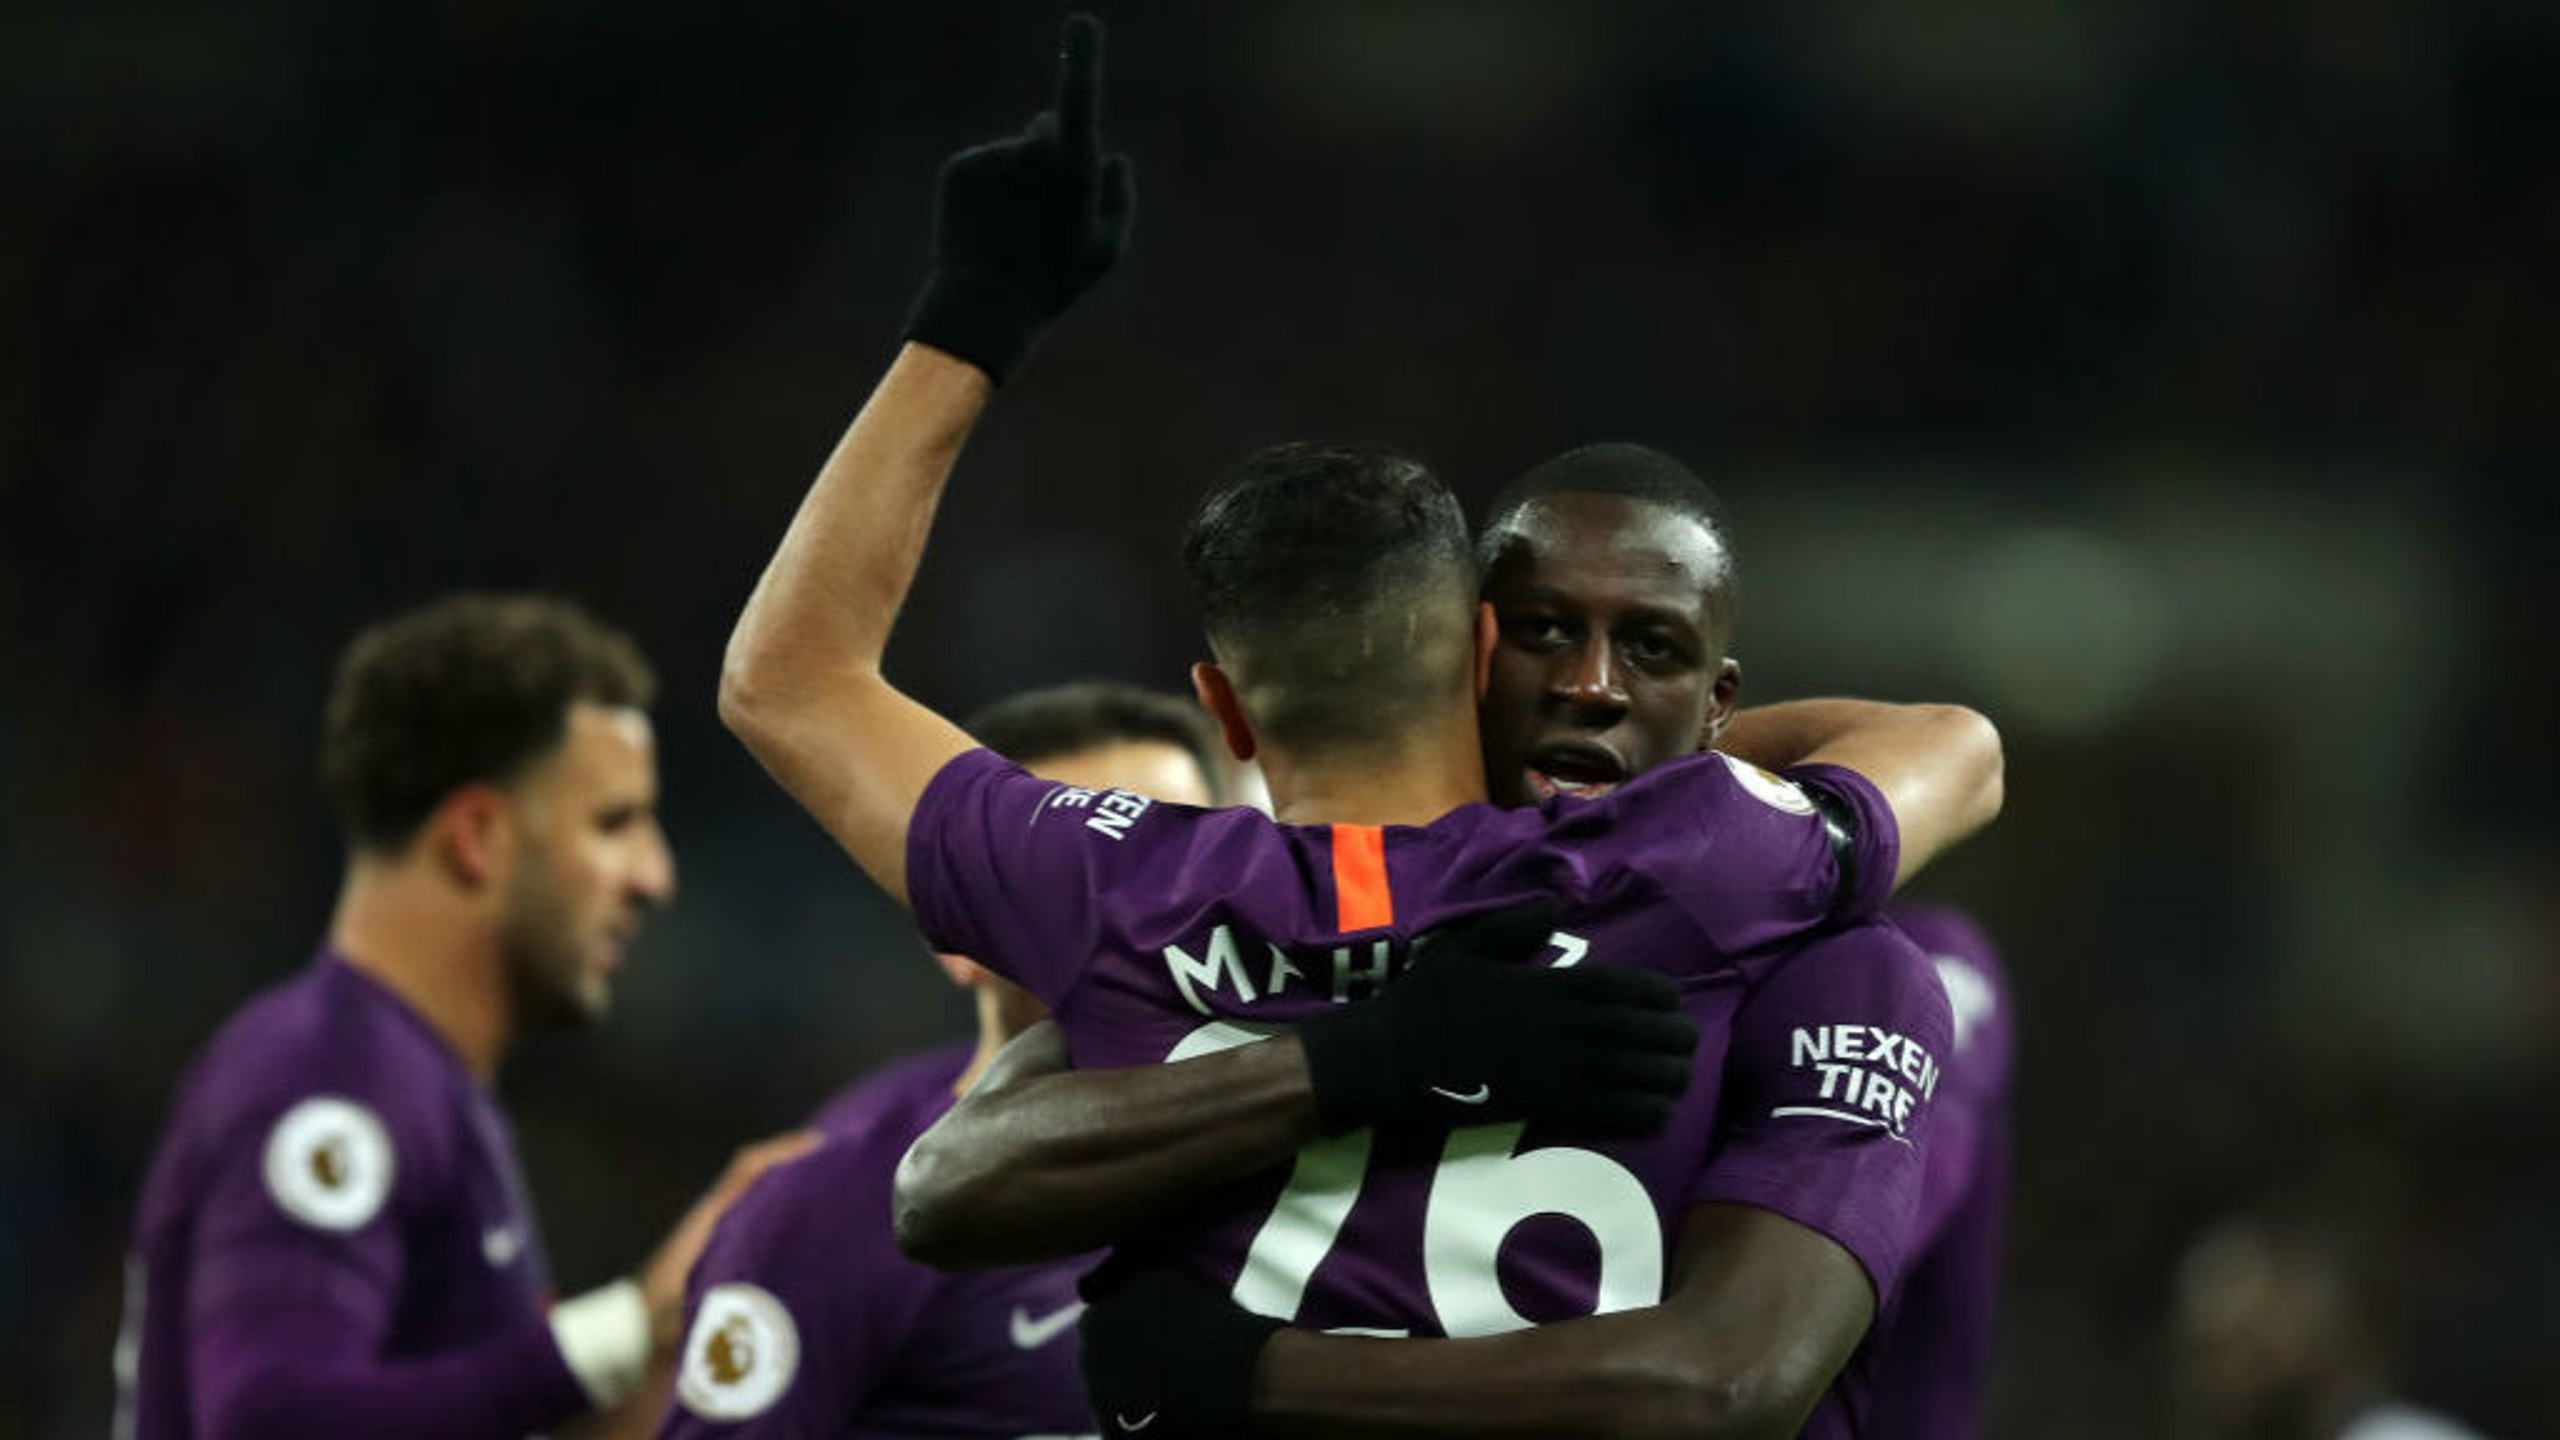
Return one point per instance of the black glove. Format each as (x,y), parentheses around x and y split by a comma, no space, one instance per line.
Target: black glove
(1168,1357)
(1472,1034)
(1024,226)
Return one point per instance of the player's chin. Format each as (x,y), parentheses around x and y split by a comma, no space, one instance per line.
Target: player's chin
(591,1003)
(595,986)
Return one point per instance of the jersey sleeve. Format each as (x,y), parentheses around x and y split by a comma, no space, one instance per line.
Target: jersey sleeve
(1016,872)
(799,1304)
(296,1265)
(1866,838)
(1754,860)
(1829,1084)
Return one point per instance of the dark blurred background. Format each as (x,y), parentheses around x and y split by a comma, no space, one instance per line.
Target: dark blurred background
(2172,380)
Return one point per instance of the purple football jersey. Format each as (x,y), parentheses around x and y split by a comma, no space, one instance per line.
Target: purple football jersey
(1156,932)
(803,1320)
(1933,1344)
(335,1238)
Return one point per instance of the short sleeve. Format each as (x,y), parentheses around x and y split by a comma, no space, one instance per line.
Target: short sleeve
(1750,858)
(1873,844)
(1828,1094)
(1020,874)
(799,1303)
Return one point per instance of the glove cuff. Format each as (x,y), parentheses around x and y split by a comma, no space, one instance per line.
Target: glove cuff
(1351,1066)
(1222,1389)
(976,317)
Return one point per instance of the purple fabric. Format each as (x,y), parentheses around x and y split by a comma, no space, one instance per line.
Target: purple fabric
(1157,931)
(334,1239)
(1933,1345)
(885,1347)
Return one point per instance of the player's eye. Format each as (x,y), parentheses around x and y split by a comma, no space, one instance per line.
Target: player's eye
(1654,650)
(1536,632)
(614,819)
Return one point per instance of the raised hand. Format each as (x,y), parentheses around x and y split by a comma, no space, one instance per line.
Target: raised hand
(1025,225)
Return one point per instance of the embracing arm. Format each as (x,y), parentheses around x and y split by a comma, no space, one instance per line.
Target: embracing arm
(1039,1161)
(1939,766)
(1762,1313)
(801,683)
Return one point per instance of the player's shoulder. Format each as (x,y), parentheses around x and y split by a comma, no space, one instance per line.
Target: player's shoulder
(1977,984)
(865,1129)
(330,1025)
(1865,963)
(1105,815)
(326,1061)
(1943,929)
(1714,777)
(1693,812)
(833,1203)
(905,1095)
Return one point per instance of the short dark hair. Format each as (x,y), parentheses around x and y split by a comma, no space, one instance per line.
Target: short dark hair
(467,688)
(1057,720)
(1332,580)
(1618,467)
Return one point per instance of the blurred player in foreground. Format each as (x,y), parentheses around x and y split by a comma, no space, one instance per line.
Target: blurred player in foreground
(1612,583)
(1339,591)
(804,1318)
(335,1238)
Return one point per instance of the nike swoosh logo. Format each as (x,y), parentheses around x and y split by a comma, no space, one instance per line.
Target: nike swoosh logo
(1132,1427)
(1477,1096)
(1030,1334)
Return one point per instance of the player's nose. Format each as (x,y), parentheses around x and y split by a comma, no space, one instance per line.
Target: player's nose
(653,876)
(1588,680)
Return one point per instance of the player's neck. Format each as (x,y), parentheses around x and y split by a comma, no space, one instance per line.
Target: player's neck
(420,943)
(1414,784)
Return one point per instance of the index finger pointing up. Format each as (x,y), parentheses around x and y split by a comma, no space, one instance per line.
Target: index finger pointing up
(1080,85)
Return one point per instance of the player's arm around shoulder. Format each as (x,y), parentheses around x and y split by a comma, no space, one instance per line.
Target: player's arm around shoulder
(1940,769)
(1760,1315)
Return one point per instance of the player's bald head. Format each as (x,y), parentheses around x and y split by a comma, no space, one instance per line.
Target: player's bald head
(1337,589)
(1632,472)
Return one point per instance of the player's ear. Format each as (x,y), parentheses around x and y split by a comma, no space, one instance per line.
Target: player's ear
(1218,696)
(473,835)
(1721,700)
(1488,632)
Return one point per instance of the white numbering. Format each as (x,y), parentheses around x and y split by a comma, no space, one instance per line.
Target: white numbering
(1484,1187)
(1302,1225)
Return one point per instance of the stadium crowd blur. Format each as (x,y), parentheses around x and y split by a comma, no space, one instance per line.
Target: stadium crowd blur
(2172,381)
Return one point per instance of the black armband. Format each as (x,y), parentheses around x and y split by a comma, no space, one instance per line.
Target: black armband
(1840,827)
